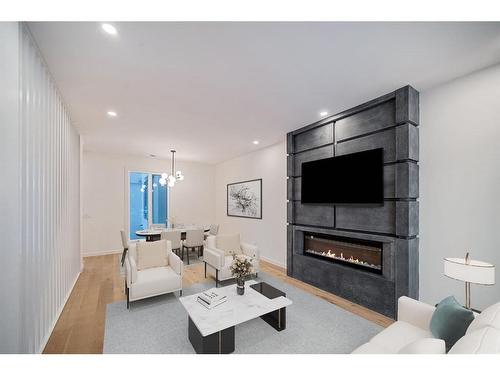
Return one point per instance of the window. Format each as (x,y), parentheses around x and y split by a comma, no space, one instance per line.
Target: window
(148,201)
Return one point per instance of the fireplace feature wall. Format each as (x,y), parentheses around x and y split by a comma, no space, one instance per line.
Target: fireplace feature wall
(360,254)
(377,277)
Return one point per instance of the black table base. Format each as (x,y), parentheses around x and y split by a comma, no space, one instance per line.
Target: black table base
(221,342)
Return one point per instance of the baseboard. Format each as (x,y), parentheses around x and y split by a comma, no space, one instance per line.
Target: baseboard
(273,262)
(58,315)
(97,253)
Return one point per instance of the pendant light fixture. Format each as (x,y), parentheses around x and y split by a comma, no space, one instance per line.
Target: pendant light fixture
(173,177)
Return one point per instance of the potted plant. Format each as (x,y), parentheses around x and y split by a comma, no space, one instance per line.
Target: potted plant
(240,268)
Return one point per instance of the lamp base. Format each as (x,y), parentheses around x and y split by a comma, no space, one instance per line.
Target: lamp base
(467,295)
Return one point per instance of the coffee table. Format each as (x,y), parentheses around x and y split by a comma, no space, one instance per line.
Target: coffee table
(212,331)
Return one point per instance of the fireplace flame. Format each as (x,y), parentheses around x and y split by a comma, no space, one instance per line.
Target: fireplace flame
(341,257)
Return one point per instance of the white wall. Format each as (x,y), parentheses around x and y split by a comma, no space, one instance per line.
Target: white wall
(42,249)
(270,232)
(104,197)
(460,182)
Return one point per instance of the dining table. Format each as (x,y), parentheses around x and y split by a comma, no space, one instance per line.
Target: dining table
(154,234)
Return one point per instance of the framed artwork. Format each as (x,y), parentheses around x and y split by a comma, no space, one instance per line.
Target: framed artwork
(244,199)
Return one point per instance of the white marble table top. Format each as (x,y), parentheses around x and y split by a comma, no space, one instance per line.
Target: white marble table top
(156,231)
(237,309)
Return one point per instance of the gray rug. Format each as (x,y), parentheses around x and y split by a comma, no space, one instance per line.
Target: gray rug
(159,325)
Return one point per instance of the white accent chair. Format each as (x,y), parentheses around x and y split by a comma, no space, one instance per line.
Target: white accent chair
(219,261)
(154,281)
(411,334)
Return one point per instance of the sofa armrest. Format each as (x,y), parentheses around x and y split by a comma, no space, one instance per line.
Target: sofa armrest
(130,270)
(214,257)
(250,250)
(415,312)
(176,263)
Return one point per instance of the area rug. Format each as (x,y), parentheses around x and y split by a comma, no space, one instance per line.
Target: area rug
(160,325)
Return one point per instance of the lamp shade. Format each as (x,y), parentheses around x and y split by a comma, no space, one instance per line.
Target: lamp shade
(474,271)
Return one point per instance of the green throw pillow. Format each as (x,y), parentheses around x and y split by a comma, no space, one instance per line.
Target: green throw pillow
(450,321)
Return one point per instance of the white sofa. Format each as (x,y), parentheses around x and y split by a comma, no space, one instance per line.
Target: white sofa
(217,263)
(410,334)
(155,281)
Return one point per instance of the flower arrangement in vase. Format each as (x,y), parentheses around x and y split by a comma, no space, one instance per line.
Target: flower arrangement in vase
(240,268)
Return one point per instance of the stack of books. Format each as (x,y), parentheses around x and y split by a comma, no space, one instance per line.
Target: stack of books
(211,298)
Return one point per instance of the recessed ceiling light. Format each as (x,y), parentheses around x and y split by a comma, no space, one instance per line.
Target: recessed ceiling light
(110,29)
(152,155)
(323,113)
(112,114)
(255,142)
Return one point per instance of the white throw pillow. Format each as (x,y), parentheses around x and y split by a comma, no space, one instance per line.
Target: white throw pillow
(424,346)
(229,243)
(482,341)
(152,254)
(489,317)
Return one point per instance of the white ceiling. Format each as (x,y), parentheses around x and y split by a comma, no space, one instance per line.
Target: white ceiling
(210,89)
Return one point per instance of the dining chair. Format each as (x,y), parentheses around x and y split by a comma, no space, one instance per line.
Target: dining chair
(214,230)
(194,240)
(158,226)
(174,236)
(124,245)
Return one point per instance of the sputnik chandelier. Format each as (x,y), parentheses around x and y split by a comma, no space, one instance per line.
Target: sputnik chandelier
(173,177)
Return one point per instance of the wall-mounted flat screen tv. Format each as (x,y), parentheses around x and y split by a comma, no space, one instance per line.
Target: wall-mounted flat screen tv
(356,178)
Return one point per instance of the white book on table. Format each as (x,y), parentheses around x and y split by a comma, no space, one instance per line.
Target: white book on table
(211,296)
(212,305)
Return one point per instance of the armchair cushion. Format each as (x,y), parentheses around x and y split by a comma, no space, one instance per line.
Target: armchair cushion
(152,254)
(229,243)
(155,281)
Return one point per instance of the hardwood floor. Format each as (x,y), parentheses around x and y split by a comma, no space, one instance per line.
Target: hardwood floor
(80,328)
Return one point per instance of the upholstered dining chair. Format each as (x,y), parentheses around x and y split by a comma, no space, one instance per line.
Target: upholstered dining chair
(214,229)
(174,236)
(194,241)
(125,245)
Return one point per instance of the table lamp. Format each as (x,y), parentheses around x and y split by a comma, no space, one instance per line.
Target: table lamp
(470,271)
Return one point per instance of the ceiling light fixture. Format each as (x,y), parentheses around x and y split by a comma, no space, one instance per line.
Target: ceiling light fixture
(112,114)
(255,142)
(323,113)
(110,29)
(174,176)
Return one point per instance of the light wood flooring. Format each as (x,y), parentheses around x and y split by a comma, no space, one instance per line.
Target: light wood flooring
(80,328)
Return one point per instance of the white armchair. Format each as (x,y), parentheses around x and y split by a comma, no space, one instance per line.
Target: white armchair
(152,281)
(219,260)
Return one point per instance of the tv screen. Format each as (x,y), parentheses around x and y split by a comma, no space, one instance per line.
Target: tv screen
(348,179)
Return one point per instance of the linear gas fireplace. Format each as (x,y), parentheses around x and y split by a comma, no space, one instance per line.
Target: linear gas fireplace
(366,255)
